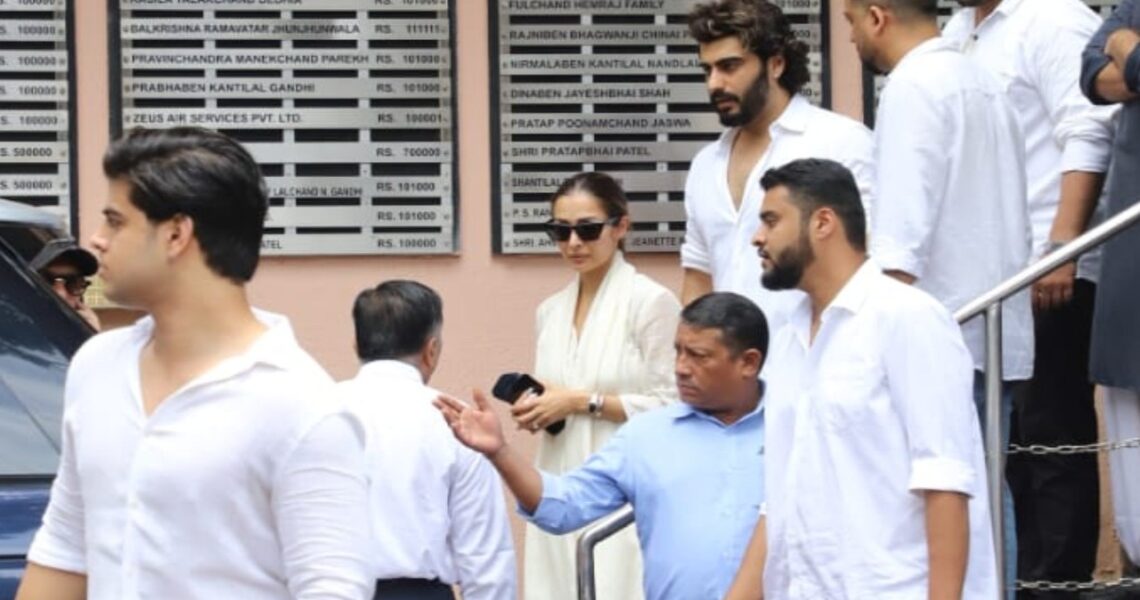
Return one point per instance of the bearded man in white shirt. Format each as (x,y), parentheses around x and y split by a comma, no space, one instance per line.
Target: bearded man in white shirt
(1033,48)
(438,515)
(755,69)
(874,470)
(202,457)
(951,216)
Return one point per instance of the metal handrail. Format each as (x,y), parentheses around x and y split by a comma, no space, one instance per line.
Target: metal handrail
(1028,276)
(615,522)
(988,304)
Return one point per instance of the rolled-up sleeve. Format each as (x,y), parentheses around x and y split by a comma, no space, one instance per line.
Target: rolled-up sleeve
(911,169)
(1093,59)
(60,542)
(931,377)
(588,493)
(1081,130)
(655,328)
(694,250)
(320,505)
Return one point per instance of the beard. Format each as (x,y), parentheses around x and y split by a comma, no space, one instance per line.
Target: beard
(788,268)
(755,97)
(868,60)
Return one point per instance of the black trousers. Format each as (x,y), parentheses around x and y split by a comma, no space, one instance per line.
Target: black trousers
(1056,497)
(412,589)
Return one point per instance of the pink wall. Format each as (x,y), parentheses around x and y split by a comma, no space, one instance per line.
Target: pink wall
(489,300)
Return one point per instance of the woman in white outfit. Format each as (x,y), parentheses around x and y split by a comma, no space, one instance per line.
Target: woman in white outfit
(604,353)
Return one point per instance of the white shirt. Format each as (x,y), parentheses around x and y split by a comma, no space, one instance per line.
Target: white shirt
(437,507)
(1034,49)
(247,482)
(878,409)
(718,237)
(951,206)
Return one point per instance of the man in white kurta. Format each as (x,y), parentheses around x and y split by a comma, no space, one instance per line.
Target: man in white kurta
(722,192)
(951,215)
(201,456)
(438,515)
(875,475)
(862,420)
(718,233)
(1033,48)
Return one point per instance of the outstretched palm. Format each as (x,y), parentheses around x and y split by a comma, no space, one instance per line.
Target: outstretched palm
(476,426)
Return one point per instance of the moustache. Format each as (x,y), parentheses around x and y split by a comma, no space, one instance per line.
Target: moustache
(716,97)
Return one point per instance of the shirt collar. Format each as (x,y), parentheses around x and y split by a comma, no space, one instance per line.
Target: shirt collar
(854,293)
(849,299)
(934,44)
(684,410)
(1004,9)
(390,369)
(794,119)
(277,346)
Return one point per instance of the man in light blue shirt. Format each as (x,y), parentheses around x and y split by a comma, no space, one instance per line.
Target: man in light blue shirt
(693,472)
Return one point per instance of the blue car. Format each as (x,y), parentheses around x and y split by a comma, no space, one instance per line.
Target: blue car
(38,336)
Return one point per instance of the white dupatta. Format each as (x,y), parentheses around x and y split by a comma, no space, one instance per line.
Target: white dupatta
(603,357)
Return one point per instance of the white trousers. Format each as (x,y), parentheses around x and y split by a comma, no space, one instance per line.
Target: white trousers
(1122,422)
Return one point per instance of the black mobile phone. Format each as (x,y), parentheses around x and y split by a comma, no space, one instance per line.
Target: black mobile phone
(511,386)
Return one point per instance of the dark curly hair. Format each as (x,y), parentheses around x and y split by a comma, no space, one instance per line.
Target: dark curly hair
(763,30)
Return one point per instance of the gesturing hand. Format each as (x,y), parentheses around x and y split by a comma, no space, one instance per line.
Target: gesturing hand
(476,426)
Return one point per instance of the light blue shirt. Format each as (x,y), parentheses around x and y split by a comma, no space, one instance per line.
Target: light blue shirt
(695,484)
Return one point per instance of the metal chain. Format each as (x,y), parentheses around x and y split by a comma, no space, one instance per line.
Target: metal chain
(1079,586)
(1038,449)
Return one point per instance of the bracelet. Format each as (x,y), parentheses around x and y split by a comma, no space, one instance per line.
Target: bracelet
(594,406)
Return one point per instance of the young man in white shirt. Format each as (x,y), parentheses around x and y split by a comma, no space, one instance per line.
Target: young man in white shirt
(875,475)
(438,515)
(202,457)
(754,67)
(951,216)
(1033,48)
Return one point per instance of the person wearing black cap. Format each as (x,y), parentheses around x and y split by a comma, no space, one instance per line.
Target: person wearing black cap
(66,267)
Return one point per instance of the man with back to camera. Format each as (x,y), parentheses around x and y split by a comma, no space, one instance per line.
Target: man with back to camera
(1110,74)
(67,268)
(1033,48)
(874,472)
(692,471)
(951,216)
(755,69)
(438,517)
(202,457)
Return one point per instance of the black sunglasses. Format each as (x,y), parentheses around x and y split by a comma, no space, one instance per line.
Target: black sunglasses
(75,285)
(587,231)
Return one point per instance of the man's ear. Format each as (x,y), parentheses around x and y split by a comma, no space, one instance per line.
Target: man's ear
(177,234)
(775,66)
(824,223)
(752,360)
(879,17)
(432,352)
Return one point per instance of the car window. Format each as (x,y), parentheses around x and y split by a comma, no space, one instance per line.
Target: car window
(37,339)
(26,240)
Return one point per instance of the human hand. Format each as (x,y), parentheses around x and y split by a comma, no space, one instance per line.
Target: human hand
(534,413)
(475,426)
(1055,289)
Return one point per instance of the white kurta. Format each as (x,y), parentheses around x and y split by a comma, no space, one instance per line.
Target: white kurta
(625,348)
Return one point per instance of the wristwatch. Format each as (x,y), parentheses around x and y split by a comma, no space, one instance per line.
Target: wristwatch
(594,406)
